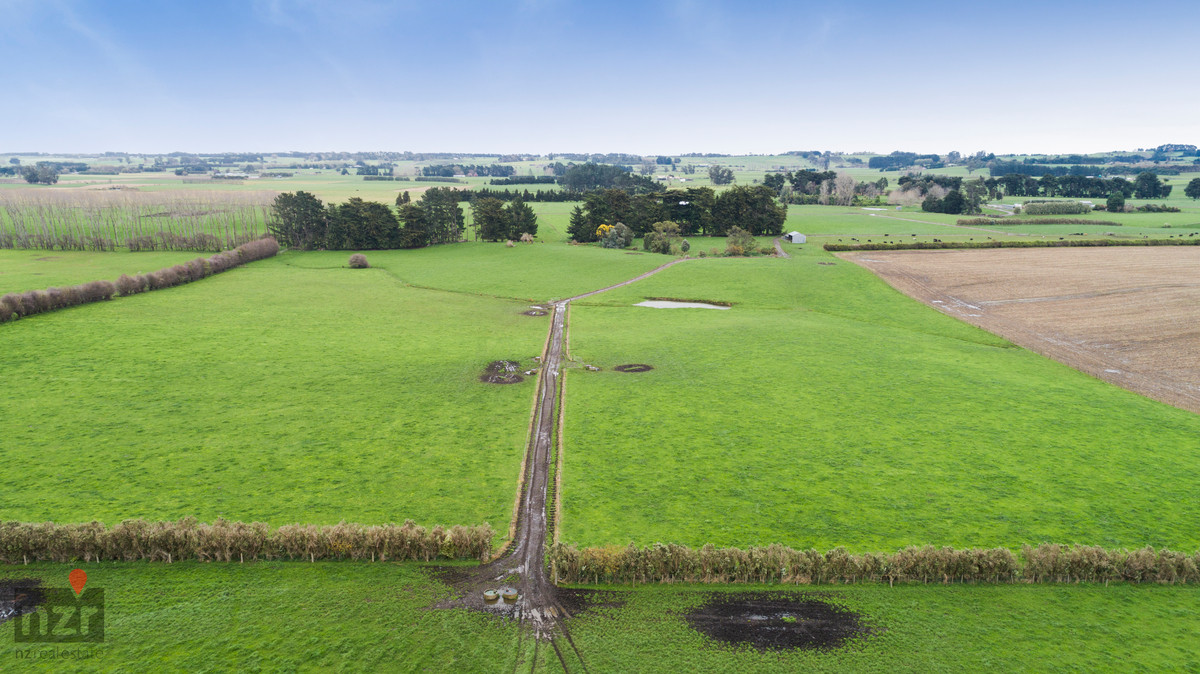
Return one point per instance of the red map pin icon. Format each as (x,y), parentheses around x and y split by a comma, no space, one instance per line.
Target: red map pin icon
(78,579)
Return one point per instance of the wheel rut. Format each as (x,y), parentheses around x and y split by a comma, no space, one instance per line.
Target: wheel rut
(522,566)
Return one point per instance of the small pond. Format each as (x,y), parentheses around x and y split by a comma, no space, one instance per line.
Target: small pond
(664,304)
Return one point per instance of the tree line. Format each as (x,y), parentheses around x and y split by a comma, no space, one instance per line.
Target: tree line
(807,187)
(304,222)
(450,170)
(697,210)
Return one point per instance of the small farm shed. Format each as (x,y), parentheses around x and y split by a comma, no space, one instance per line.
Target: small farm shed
(795,237)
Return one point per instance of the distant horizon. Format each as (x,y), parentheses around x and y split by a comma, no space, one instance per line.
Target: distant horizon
(565,152)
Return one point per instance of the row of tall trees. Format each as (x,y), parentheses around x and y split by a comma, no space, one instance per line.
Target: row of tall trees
(495,221)
(1147,185)
(697,210)
(450,170)
(303,221)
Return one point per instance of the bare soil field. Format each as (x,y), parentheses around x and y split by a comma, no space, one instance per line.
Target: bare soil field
(1129,316)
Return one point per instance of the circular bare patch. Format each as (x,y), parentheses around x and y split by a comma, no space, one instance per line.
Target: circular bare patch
(19,596)
(533,312)
(502,372)
(775,621)
(634,367)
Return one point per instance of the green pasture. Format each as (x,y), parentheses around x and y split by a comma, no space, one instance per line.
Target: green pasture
(192,616)
(272,392)
(825,409)
(22,270)
(918,628)
(332,616)
(530,272)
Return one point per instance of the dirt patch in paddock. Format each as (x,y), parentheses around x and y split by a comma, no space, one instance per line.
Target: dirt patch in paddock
(633,367)
(19,596)
(502,372)
(827,264)
(1126,315)
(533,312)
(577,601)
(777,621)
(46,259)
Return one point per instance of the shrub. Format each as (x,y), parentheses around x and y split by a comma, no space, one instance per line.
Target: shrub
(740,242)
(663,238)
(1157,208)
(766,250)
(685,246)
(1068,243)
(617,236)
(128,285)
(358,261)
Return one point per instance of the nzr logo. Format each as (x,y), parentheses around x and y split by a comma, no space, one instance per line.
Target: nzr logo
(64,616)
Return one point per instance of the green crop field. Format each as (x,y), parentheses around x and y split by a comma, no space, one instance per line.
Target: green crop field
(827,410)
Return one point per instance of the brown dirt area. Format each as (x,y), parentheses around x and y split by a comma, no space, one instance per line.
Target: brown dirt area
(1124,315)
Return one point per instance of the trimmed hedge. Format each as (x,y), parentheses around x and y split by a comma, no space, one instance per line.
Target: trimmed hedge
(1062,243)
(222,541)
(1045,563)
(1055,208)
(19,305)
(1034,221)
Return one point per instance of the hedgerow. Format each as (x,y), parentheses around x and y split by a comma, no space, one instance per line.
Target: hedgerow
(1007,222)
(1045,563)
(1039,243)
(1056,208)
(19,305)
(223,541)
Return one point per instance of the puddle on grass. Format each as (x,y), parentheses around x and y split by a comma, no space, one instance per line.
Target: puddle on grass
(664,304)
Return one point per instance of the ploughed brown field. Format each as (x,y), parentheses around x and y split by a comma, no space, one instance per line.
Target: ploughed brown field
(1130,316)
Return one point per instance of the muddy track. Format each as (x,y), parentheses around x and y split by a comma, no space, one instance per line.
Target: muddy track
(779,247)
(523,567)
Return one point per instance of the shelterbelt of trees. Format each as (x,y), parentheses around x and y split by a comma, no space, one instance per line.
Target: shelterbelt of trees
(697,210)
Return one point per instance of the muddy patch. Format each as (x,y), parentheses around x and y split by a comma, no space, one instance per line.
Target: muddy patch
(827,264)
(577,602)
(19,597)
(777,621)
(634,367)
(46,259)
(533,312)
(502,372)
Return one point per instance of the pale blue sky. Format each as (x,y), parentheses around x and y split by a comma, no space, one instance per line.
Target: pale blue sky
(558,76)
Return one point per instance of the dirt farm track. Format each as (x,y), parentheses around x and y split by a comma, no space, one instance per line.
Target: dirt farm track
(1127,315)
